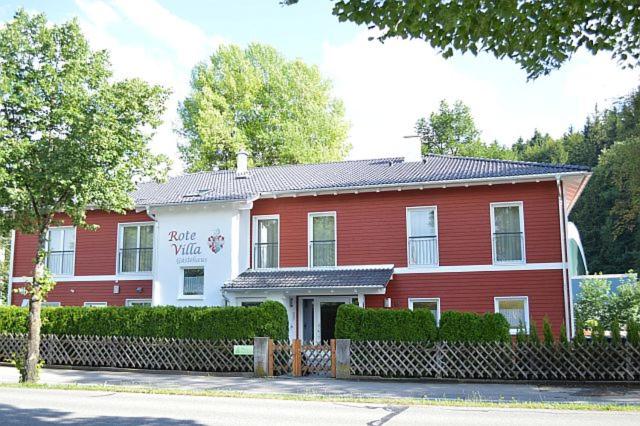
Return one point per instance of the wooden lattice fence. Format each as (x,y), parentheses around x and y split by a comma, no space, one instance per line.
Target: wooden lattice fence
(134,352)
(498,361)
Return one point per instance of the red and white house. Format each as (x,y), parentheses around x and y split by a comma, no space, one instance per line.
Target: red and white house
(442,233)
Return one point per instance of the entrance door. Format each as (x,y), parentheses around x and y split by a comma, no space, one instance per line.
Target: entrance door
(317,317)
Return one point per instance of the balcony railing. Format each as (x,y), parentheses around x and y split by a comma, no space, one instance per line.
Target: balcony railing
(508,246)
(423,250)
(265,255)
(60,262)
(136,259)
(323,253)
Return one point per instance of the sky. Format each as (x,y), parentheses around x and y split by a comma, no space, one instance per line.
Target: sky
(385,87)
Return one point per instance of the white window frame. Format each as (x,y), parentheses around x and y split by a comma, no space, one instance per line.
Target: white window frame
(492,207)
(181,294)
(51,304)
(310,217)
(240,300)
(131,302)
(75,248)
(496,307)
(95,304)
(254,236)
(408,231)
(120,242)
(412,300)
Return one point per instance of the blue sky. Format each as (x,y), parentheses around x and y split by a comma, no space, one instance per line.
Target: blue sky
(385,88)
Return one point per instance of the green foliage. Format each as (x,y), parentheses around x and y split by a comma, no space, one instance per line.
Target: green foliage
(547,333)
(268,319)
(353,322)
(280,111)
(537,35)
(471,327)
(533,332)
(579,338)
(633,333)
(541,149)
(615,332)
(563,335)
(448,130)
(521,334)
(5,244)
(598,334)
(597,304)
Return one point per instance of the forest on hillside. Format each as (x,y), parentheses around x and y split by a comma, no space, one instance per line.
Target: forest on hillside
(608,212)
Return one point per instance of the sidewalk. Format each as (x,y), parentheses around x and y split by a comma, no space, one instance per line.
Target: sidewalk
(598,394)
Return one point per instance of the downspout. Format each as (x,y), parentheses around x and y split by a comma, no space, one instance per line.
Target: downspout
(12,246)
(154,266)
(563,244)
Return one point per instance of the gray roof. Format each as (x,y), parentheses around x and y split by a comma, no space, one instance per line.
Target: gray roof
(339,276)
(227,185)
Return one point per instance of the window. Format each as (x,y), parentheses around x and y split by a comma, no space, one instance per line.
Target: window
(137,302)
(322,239)
(431,304)
(136,248)
(422,236)
(61,250)
(250,304)
(95,304)
(193,282)
(515,310)
(507,227)
(51,304)
(266,236)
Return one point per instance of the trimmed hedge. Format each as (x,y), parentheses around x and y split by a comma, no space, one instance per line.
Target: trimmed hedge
(355,323)
(268,319)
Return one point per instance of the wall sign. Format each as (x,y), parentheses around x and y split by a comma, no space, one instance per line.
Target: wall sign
(187,248)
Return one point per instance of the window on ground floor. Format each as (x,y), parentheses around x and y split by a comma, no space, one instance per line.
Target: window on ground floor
(193,282)
(137,302)
(250,304)
(516,310)
(432,304)
(95,304)
(25,303)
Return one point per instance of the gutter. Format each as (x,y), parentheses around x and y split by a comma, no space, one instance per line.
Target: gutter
(10,270)
(568,310)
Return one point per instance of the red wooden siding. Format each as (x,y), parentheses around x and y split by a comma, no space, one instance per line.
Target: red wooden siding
(371,227)
(76,293)
(96,251)
(474,291)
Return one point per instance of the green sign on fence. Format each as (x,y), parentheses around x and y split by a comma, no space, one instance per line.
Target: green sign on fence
(243,349)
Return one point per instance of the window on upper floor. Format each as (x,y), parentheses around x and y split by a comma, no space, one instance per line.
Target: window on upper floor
(322,239)
(515,310)
(507,229)
(61,250)
(422,236)
(266,238)
(135,248)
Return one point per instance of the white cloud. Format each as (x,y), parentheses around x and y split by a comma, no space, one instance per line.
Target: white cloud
(387,87)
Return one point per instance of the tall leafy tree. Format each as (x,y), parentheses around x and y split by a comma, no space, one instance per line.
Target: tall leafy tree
(539,35)
(70,138)
(541,148)
(254,99)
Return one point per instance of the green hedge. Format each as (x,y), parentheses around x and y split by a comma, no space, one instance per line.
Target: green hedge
(268,319)
(355,323)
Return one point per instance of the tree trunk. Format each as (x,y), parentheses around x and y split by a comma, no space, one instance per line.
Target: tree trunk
(29,372)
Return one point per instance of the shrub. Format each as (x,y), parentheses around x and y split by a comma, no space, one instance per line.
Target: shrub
(471,327)
(579,338)
(355,323)
(547,333)
(633,333)
(533,333)
(494,327)
(268,319)
(615,332)
(563,335)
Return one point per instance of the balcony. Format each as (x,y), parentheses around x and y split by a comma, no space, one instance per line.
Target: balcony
(133,260)
(265,255)
(322,253)
(423,251)
(60,262)
(508,247)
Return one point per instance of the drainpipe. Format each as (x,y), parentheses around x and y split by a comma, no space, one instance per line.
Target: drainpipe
(154,267)
(563,242)
(10,271)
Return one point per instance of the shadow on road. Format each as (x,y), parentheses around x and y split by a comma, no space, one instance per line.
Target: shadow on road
(11,415)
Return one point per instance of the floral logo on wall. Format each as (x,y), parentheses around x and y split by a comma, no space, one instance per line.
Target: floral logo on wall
(216,241)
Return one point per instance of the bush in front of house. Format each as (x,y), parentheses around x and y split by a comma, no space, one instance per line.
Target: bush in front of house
(471,327)
(268,319)
(355,323)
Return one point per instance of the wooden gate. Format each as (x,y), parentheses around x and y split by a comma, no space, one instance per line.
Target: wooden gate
(302,359)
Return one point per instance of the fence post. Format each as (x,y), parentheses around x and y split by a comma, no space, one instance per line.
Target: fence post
(342,358)
(332,342)
(270,355)
(261,356)
(297,358)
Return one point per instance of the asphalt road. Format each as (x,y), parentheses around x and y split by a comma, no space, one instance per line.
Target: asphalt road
(40,407)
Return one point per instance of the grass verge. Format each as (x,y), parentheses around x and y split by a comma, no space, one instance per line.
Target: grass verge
(478,402)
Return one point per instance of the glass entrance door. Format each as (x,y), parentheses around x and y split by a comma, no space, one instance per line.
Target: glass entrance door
(328,311)
(317,317)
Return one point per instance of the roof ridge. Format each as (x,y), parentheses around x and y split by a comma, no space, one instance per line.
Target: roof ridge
(526,163)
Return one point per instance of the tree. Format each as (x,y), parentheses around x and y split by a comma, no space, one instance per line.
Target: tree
(5,244)
(70,138)
(280,111)
(593,305)
(541,148)
(539,35)
(448,130)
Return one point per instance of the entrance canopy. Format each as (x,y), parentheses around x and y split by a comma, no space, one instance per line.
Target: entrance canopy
(362,277)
